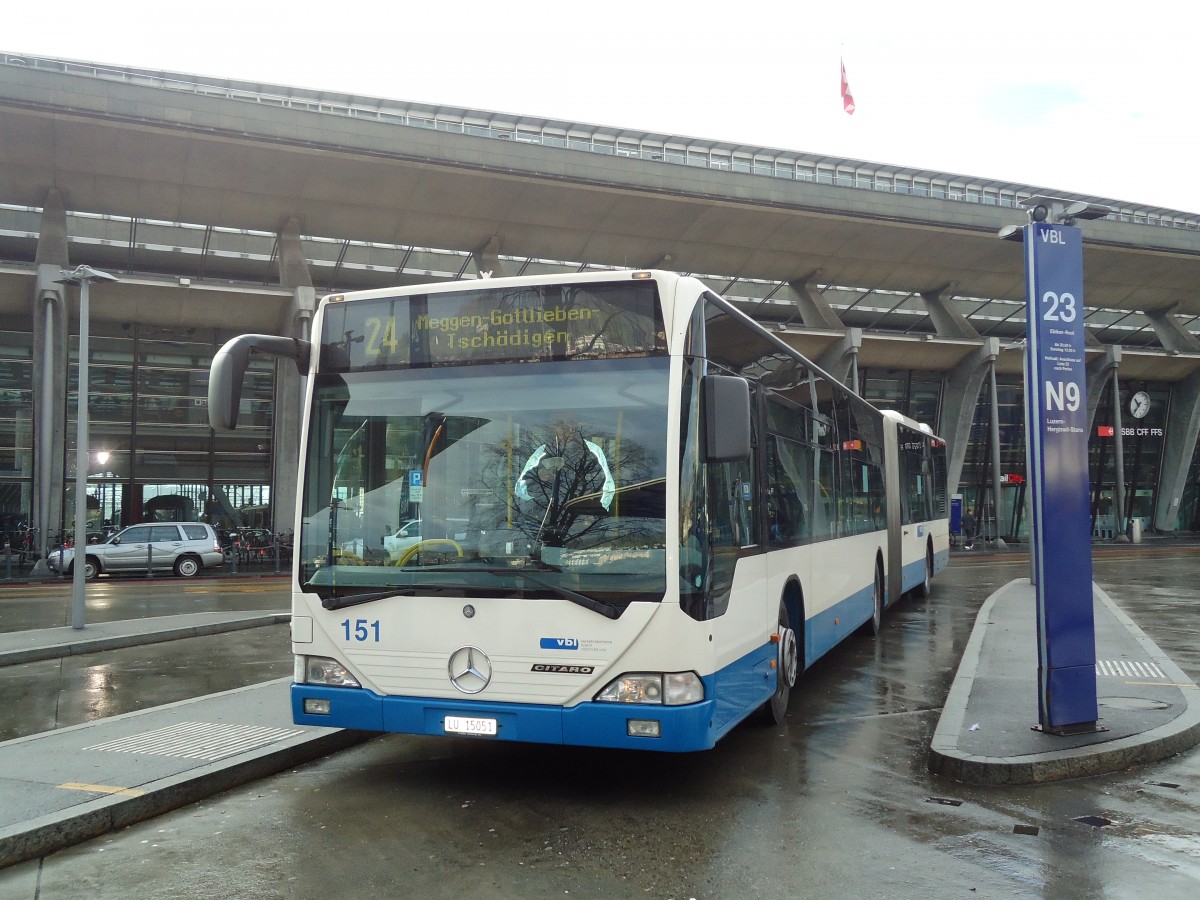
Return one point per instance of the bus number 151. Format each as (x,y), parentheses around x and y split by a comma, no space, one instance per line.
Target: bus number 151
(361,630)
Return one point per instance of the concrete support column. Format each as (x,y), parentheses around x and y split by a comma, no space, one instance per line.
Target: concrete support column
(959,398)
(1184,427)
(51,326)
(487,258)
(994,424)
(1171,334)
(841,359)
(1182,433)
(814,311)
(289,385)
(948,321)
(1099,370)
(1118,465)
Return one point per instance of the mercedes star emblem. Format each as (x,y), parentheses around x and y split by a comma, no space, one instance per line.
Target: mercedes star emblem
(470,669)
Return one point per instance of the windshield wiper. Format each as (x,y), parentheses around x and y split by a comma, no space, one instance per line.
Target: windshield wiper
(605,609)
(339,602)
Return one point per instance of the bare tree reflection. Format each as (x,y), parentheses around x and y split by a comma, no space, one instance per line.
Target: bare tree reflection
(562,486)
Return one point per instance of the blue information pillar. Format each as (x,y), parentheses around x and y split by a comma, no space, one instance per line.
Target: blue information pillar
(1056,420)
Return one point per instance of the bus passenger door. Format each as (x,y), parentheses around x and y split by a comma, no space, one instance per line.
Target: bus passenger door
(741,623)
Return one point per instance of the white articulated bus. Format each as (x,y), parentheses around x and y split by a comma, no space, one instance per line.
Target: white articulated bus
(630,515)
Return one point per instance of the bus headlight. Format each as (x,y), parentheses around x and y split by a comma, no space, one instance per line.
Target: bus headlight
(659,688)
(323,670)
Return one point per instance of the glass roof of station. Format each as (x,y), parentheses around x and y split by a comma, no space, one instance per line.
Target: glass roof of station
(246,257)
(250,257)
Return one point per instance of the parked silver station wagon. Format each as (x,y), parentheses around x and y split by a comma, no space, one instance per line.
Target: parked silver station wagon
(180,547)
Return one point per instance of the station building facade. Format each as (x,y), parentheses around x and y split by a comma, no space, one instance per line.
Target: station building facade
(185,288)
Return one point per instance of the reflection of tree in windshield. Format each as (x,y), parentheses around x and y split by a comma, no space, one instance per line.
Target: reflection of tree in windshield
(561,486)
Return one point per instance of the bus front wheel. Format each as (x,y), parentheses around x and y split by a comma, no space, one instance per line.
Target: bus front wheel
(787,667)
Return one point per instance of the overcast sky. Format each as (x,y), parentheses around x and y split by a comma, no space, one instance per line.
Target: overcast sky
(1096,97)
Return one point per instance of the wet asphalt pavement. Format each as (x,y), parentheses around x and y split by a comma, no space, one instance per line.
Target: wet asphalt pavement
(56,693)
(836,802)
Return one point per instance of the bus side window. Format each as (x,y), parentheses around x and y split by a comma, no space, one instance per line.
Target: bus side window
(825,520)
(733,509)
(732,525)
(789,467)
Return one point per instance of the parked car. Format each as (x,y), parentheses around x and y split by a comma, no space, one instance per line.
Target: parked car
(406,536)
(184,548)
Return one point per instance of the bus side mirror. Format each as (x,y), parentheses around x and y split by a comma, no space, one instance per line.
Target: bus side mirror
(725,403)
(229,370)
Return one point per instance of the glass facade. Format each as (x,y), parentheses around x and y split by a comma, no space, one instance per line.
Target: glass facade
(1144,440)
(152,454)
(1189,507)
(976,483)
(16,433)
(916,394)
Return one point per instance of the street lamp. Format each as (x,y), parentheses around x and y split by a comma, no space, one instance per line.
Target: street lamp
(81,276)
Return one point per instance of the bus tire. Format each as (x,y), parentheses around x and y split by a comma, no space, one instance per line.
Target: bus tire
(787,668)
(878,590)
(926,585)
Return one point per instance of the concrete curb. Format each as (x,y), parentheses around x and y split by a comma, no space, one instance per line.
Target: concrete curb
(48,834)
(100,642)
(139,800)
(1180,734)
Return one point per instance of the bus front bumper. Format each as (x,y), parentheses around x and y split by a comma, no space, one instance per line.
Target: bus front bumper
(618,725)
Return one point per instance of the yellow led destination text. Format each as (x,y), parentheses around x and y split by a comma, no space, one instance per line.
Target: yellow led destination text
(499,328)
(500,318)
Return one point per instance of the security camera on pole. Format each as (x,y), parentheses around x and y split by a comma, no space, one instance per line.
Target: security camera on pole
(1056,433)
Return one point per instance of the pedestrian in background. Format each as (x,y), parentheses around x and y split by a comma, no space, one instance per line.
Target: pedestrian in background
(968,530)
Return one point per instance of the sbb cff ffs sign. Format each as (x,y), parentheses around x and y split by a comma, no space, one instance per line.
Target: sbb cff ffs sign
(1056,386)
(1107,431)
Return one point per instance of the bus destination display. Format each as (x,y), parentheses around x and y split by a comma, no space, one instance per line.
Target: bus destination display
(550,322)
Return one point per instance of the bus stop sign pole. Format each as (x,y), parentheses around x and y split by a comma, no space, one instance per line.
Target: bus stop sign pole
(1057,434)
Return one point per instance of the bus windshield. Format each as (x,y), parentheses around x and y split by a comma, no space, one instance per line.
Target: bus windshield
(509,480)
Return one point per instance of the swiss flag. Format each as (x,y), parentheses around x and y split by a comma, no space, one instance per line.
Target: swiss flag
(847,97)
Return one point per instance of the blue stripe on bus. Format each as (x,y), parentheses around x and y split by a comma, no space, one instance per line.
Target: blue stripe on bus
(914,572)
(829,628)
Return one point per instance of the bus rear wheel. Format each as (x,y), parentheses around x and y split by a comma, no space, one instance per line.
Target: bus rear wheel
(787,668)
(926,586)
(875,623)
